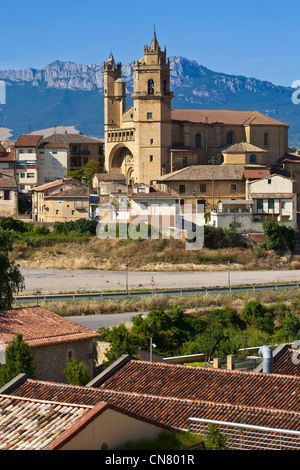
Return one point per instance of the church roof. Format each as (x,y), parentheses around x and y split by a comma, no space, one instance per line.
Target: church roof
(205,172)
(242,147)
(224,116)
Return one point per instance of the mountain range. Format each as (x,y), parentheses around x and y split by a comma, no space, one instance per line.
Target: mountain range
(70,94)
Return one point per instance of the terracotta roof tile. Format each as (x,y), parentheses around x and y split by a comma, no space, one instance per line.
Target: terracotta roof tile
(205,172)
(173,411)
(40,327)
(28,140)
(7,181)
(221,116)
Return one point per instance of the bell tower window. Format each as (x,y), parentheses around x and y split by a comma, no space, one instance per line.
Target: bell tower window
(150,87)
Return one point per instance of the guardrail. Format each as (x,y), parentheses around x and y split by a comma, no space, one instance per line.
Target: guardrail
(103,295)
(240,436)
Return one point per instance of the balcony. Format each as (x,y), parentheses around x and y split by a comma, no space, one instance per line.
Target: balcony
(80,152)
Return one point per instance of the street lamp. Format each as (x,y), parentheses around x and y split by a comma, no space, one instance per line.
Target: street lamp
(152,345)
(126,274)
(228,274)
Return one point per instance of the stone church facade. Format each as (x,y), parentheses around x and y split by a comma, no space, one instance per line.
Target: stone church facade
(150,139)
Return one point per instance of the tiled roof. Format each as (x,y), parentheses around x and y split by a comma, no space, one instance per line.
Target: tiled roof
(71,192)
(242,147)
(32,424)
(40,327)
(7,181)
(66,139)
(110,177)
(242,397)
(256,174)
(205,173)
(153,194)
(51,184)
(28,140)
(291,158)
(286,360)
(7,156)
(221,116)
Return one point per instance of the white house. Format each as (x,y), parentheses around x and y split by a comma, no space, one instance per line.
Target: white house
(269,198)
(273,198)
(27,161)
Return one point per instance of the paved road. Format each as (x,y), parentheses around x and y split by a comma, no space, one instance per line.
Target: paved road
(94,322)
(58,280)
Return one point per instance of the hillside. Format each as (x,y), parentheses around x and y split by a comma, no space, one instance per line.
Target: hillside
(69,94)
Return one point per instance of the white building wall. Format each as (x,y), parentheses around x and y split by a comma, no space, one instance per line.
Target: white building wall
(52,164)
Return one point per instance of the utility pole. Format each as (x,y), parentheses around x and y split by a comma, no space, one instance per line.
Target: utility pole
(228,274)
(126,275)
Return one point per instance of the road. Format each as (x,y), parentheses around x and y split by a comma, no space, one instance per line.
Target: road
(94,322)
(53,281)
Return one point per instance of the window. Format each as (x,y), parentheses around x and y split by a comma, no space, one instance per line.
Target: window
(184,162)
(229,138)
(42,162)
(165,87)
(54,162)
(57,212)
(73,212)
(266,139)
(233,188)
(260,204)
(182,201)
(151,141)
(149,115)
(29,150)
(151,158)
(22,175)
(150,87)
(198,140)
(21,151)
(202,188)
(6,195)
(182,188)
(269,181)
(54,152)
(141,190)
(30,163)
(252,158)
(270,203)
(30,175)
(201,205)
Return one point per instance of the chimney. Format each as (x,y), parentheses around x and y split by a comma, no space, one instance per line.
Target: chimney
(266,353)
(230,362)
(217,363)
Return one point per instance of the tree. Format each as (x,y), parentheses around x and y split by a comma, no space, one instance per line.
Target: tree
(91,168)
(214,439)
(11,280)
(18,359)
(121,342)
(77,373)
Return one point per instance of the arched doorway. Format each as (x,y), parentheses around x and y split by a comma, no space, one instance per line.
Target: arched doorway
(122,162)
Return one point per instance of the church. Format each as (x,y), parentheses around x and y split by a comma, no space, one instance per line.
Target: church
(150,139)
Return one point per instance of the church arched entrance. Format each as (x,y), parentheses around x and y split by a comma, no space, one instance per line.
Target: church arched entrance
(122,162)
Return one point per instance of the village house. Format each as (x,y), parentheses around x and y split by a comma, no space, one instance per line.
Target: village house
(26,158)
(52,339)
(53,201)
(60,153)
(8,196)
(60,424)
(204,184)
(7,160)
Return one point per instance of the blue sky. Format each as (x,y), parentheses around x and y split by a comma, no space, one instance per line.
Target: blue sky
(254,38)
